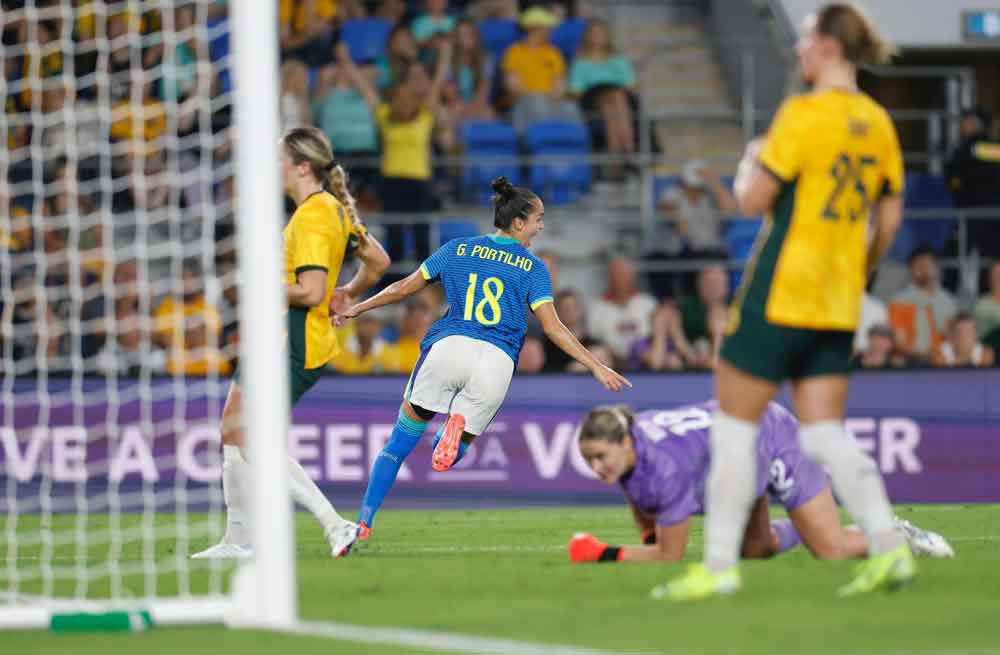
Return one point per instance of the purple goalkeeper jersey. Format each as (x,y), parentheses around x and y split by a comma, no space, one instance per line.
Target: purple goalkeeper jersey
(672,459)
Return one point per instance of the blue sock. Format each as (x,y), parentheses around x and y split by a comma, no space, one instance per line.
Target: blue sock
(788,537)
(462,446)
(405,436)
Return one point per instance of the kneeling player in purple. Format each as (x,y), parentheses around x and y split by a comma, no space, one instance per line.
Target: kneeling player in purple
(660,458)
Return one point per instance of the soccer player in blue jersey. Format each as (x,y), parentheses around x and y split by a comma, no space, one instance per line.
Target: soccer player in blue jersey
(468,356)
(660,458)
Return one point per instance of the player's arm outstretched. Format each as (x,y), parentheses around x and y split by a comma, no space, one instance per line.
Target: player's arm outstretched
(560,335)
(393,293)
(373,263)
(671,541)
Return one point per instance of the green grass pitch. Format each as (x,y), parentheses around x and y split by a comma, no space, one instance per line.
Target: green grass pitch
(505,574)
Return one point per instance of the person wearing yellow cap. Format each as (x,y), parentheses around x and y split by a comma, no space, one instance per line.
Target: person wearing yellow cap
(535,74)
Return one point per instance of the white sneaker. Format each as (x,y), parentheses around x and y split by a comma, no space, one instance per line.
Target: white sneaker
(224,551)
(342,537)
(923,543)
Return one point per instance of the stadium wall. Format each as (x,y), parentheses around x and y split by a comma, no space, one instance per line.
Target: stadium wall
(933,433)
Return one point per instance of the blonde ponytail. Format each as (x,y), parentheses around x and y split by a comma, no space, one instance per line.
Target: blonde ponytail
(338,187)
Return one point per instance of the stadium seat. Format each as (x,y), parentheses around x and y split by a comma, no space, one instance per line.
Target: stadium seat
(559,182)
(366,38)
(924,191)
(487,138)
(740,235)
(454,228)
(567,36)
(218,50)
(498,34)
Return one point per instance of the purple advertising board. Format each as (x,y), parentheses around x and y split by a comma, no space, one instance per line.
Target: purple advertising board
(934,435)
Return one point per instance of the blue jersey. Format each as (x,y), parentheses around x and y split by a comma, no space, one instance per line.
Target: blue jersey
(489,283)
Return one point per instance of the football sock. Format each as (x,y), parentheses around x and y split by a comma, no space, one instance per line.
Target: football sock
(855,479)
(306,493)
(235,474)
(405,436)
(729,490)
(788,537)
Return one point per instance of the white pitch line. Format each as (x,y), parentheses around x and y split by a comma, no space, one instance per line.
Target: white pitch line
(443,642)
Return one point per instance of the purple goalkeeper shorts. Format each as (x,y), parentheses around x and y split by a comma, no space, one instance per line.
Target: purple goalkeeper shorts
(792,478)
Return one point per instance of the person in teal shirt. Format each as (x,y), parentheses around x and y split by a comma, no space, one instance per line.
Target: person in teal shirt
(435,21)
(604,83)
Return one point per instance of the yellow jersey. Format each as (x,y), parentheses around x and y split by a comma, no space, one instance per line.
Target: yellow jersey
(406,146)
(538,68)
(317,237)
(836,153)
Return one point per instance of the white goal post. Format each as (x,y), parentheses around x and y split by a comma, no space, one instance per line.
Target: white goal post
(116,179)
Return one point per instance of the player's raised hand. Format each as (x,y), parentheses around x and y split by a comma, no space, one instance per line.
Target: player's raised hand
(610,378)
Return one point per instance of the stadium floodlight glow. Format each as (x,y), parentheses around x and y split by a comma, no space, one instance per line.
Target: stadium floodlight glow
(115,368)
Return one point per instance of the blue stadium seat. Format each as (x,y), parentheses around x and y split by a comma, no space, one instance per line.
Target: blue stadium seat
(218,49)
(567,36)
(498,34)
(559,182)
(924,191)
(740,235)
(366,38)
(487,138)
(452,228)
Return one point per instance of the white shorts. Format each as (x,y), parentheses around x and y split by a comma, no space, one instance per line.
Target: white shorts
(463,376)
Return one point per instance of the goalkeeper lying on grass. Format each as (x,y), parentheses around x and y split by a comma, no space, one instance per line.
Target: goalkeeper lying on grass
(660,458)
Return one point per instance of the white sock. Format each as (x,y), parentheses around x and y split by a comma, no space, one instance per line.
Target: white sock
(856,481)
(235,475)
(729,489)
(306,493)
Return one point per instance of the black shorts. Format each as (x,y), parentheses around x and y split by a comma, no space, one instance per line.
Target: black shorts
(777,353)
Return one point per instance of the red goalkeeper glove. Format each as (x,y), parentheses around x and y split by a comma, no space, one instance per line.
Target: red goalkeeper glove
(649,537)
(584,547)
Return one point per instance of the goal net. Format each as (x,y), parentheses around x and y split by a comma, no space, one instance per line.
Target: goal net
(118,288)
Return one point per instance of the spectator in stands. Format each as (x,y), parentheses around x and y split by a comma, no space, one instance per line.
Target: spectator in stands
(125,351)
(36,331)
(418,314)
(19,237)
(85,140)
(532,357)
(873,312)
(406,125)
(699,205)
(535,75)
(961,347)
(973,173)
(880,350)
(434,22)
(665,349)
(189,328)
(307,29)
(604,83)
(294,103)
(571,311)
(920,313)
(485,9)
(712,288)
(362,350)
(342,113)
(150,117)
(183,81)
(78,211)
(987,310)
(468,91)
(401,52)
(392,11)
(622,317)
(601,352)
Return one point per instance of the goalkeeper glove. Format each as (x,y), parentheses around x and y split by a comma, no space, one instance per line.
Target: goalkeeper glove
(585,547)
(649,537)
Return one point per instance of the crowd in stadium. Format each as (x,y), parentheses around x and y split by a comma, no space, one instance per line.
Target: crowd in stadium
(386,112)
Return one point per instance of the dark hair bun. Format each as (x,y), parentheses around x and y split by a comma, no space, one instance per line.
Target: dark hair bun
(502,187)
